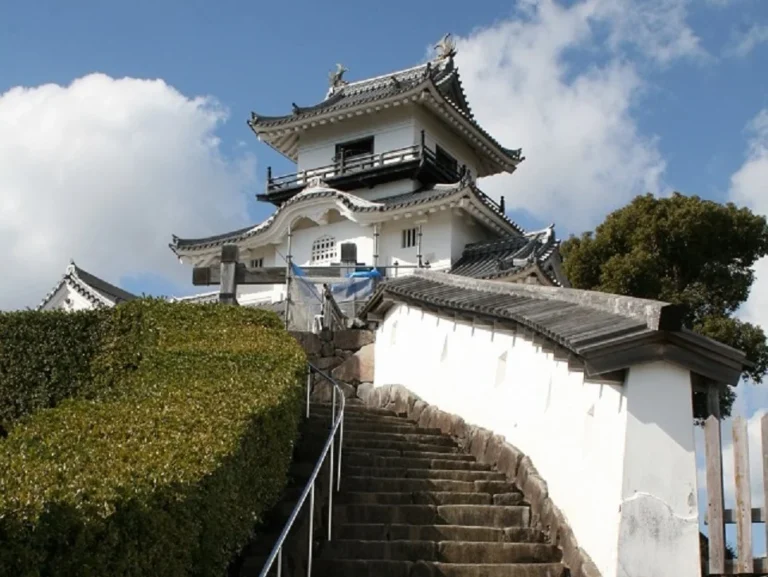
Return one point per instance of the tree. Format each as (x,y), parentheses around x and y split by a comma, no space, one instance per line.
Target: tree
(682,250)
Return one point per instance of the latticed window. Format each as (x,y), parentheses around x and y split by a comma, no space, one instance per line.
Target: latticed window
(324,249)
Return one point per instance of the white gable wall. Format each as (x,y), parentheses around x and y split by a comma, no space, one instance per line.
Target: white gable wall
(444,235)
(607,452)
(392,129)
(466,230)
(77,302)
(435,132)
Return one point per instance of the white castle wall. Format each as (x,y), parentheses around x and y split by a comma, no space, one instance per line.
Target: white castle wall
(618,459)
(391,129)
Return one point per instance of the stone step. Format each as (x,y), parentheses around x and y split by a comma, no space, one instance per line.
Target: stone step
(406,473)
(386,531)
(399,445)
(382,568)
(392,485)
(415,498)
(445,551)
(351,408)
(471,515)
(365,460)
(424,438)
(325,416)
(409,454)
(363,426)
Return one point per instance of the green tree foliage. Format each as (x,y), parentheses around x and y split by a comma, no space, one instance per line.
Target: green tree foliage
(166,466)
(682,250)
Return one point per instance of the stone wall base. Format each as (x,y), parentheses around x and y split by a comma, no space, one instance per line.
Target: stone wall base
(346,355)
(491,449)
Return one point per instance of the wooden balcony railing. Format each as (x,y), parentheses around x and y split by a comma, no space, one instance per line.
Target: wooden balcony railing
(361,164)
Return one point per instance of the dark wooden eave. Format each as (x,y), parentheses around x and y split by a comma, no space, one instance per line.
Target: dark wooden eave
(607,333)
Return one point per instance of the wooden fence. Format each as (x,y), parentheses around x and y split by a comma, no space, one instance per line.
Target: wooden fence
(743,515)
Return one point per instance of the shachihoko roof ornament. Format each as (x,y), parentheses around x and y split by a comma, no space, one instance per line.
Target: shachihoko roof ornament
(336,78)
(446,48)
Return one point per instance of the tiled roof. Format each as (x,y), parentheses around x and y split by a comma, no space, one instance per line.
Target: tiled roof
(353,203)
(440,74)
(98,291)
(502,257)
(608,332)
(443,74)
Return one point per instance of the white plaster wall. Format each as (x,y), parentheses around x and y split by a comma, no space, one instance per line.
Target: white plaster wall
(77,301)
(466,230)
(584,438)
(435,241)
(343,231)
(392,129)
(435,132)
(386,189)
(659,510)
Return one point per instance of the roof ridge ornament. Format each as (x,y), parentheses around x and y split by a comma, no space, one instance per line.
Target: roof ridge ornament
(336,78)
(446,48)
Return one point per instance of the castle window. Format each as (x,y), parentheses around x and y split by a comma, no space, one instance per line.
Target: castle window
(354,148)
(257,263)
(409,237)
(324,250)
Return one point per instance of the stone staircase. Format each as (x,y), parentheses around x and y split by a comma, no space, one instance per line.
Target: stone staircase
(413,505)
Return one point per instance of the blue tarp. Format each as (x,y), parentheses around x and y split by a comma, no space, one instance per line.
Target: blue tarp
(373,273)
(353,288)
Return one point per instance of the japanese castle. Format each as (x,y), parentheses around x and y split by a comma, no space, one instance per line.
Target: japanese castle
(386,177)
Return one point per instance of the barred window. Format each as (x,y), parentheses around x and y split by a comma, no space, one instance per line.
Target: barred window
(324,250)
(409,237)
(257,263)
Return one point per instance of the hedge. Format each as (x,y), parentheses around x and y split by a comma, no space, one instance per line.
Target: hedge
(164,472)
(44,358)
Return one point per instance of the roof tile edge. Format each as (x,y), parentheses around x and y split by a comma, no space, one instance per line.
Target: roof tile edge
(656,314)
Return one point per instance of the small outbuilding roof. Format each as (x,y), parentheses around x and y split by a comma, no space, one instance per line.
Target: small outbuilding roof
(98,291)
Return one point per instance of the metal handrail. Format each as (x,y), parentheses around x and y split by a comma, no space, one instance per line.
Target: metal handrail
(337,424)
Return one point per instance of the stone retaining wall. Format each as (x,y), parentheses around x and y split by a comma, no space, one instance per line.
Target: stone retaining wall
(490,449)
(346,355)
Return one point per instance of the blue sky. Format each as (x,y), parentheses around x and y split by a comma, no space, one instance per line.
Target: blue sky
(263,56)
(122,123)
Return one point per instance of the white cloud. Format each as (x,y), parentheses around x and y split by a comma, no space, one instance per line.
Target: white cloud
(749,186)
(657,28)
(584,152)
(745,43)
(104,171)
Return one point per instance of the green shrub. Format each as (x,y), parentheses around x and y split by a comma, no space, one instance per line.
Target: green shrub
(166,471)
(44,358)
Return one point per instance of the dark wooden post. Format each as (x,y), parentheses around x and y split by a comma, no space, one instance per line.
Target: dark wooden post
(269,178)
(423,142)
(501,205)
(228,286)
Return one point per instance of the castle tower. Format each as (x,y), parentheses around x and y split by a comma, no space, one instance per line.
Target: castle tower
(386,167)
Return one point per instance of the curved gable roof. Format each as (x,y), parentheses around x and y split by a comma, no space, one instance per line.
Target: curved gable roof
(97,291)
